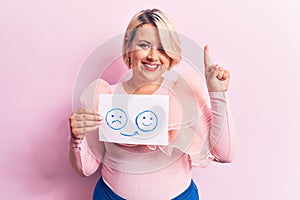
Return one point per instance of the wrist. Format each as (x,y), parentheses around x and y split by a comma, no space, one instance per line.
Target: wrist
(75,138)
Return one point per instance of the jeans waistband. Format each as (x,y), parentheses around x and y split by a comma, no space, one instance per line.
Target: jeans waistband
(103,192)
(191,193)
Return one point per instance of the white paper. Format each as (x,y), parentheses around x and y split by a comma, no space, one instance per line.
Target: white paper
(134,119)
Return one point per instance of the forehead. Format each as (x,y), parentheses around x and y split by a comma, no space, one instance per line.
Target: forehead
(147,32)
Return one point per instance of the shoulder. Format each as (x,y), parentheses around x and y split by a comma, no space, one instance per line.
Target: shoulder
(194,85)
(90,94)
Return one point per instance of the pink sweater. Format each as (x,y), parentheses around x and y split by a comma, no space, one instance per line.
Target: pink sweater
(201,129)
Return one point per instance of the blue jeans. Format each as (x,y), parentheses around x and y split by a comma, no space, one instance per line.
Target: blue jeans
(191,193)
(103,192)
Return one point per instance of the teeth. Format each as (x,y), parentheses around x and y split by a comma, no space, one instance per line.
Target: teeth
(151,66)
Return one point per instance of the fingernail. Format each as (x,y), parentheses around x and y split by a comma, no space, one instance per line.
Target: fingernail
(100,118)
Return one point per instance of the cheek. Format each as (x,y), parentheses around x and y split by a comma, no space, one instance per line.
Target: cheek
(166,61)
(138,55)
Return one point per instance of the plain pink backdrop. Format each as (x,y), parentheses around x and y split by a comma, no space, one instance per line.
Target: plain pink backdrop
(44,43)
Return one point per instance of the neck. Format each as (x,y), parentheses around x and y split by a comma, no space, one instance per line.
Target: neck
(133,87)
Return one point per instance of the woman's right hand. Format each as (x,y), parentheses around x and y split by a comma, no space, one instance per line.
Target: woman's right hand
(82,121)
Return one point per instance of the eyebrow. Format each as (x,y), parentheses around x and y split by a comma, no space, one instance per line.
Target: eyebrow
(144,41)
(160,44)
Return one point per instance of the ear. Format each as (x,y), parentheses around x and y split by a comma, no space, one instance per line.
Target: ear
(128,60)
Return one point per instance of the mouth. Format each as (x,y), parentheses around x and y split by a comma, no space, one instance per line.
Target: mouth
(146,124)
(151,67)
(116,121)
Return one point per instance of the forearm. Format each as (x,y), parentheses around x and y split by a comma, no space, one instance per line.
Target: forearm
(81,159)
(222,131)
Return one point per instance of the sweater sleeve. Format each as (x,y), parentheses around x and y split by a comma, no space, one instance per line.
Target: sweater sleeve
(85,155)
(222,134)
(204,129)
(215,125)
(82,159)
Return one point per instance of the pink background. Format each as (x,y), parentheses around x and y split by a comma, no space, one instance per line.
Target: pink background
(43,44)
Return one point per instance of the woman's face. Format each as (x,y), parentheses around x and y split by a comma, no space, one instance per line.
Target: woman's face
(147,58)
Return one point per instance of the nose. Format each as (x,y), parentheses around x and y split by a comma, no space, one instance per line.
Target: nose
(152,54)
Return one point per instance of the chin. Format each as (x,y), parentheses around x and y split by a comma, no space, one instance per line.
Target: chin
(152,78)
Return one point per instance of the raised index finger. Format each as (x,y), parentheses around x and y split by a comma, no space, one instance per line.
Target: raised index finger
(207,60)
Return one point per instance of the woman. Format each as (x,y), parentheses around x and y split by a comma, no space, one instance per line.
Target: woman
(199,131)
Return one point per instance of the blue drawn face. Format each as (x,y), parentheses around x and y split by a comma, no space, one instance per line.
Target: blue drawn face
(116,118)
(146,121)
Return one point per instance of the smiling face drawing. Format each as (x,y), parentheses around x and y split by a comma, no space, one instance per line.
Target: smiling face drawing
(116,119)
(146,121)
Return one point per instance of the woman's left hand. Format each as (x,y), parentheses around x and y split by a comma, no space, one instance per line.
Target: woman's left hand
(217,78)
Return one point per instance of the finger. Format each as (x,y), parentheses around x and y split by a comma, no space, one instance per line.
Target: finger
(220,72)
(226,75)
(83,124)
(76,135)
(87,111)
(207,60)
(212,71)
(86,117)
(82,131)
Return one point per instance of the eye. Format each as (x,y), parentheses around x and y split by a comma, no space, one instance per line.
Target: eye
(120,116)
(161,48)
(144,117)
(150,118)
(144,45)
(112,116)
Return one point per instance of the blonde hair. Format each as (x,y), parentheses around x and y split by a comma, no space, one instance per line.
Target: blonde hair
(168,36)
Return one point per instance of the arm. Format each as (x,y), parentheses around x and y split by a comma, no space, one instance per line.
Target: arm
(81,158)
(221,132)
(222,136)
(85,150)
(84,124)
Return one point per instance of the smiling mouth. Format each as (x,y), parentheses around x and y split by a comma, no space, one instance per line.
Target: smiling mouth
(151,67)
(146,124)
